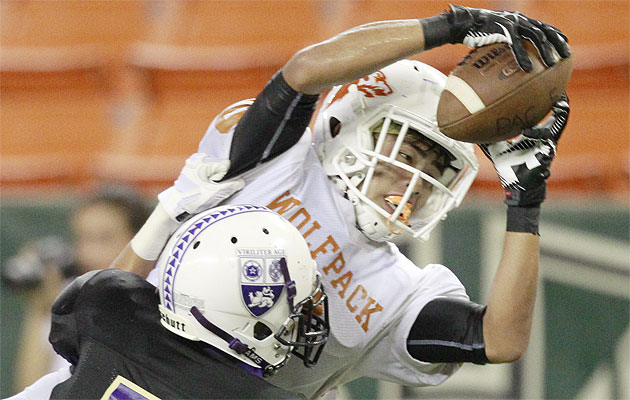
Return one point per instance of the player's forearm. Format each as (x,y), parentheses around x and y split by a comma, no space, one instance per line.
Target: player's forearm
(353,54)
(508,319)
(140,255)
(129,261)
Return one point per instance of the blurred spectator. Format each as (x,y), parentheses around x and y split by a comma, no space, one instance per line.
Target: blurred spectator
(101,226)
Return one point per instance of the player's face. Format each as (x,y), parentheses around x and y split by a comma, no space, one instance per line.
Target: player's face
(390,182)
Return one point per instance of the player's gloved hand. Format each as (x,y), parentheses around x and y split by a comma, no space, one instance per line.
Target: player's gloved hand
(552,127)
(476,27)
(197,187)
(523,163)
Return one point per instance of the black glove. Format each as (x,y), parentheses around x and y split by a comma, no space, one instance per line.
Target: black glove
(476,27)
(523,163)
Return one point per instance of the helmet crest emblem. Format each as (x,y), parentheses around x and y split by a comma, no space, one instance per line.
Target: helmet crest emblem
(261,279)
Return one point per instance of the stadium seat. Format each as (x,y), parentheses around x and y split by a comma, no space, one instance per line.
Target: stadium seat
(108,26)
(53,117)
(62,23)
(287,25)
(183,92)
(61,75)
(145,78)
(195,59)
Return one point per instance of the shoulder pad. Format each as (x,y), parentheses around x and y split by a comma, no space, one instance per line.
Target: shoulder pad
(229,117)
(65,301)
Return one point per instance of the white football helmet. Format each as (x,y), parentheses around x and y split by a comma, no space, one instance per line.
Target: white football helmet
(242,279)
(351,127)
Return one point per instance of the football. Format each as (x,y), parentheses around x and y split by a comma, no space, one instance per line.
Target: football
(488,98)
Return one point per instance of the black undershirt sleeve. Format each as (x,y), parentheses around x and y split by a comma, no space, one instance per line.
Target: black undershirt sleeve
(448,330)
(272,124)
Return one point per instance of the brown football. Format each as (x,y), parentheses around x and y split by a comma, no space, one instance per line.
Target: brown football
(488,98)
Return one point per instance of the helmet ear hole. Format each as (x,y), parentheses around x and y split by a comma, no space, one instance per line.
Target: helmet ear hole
(261,331)
(335,126)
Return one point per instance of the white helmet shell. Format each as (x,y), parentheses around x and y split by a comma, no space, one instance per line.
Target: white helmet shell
(225,264)
(404,94)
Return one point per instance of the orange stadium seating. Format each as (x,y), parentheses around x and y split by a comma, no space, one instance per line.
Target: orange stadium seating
(53,121)
(60,71)
(144,78)
(195,59)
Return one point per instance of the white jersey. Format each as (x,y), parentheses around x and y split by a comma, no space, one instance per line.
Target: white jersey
(375,293)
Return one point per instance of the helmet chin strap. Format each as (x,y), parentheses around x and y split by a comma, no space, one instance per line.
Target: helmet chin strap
(240,347)
(234,343)
(369,221)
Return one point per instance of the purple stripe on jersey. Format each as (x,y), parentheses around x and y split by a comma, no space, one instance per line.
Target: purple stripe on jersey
(252,370)
(124,392)
(249,368)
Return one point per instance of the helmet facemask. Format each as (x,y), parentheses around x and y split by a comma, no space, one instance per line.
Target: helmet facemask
(401,99)
(307,327)
(449,180)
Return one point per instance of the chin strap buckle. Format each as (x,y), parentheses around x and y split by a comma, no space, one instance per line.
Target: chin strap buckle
(238,346)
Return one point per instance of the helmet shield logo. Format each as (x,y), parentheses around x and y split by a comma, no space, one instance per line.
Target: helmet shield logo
(260,278)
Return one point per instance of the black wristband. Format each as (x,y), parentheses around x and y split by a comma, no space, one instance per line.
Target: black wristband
(523,219)
(437,31)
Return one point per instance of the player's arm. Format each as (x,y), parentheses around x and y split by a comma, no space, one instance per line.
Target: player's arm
(362,50)
(448,330)
(508,318)
(523,167)
(195,190)
(278,117)
(273,123)
(454,330)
